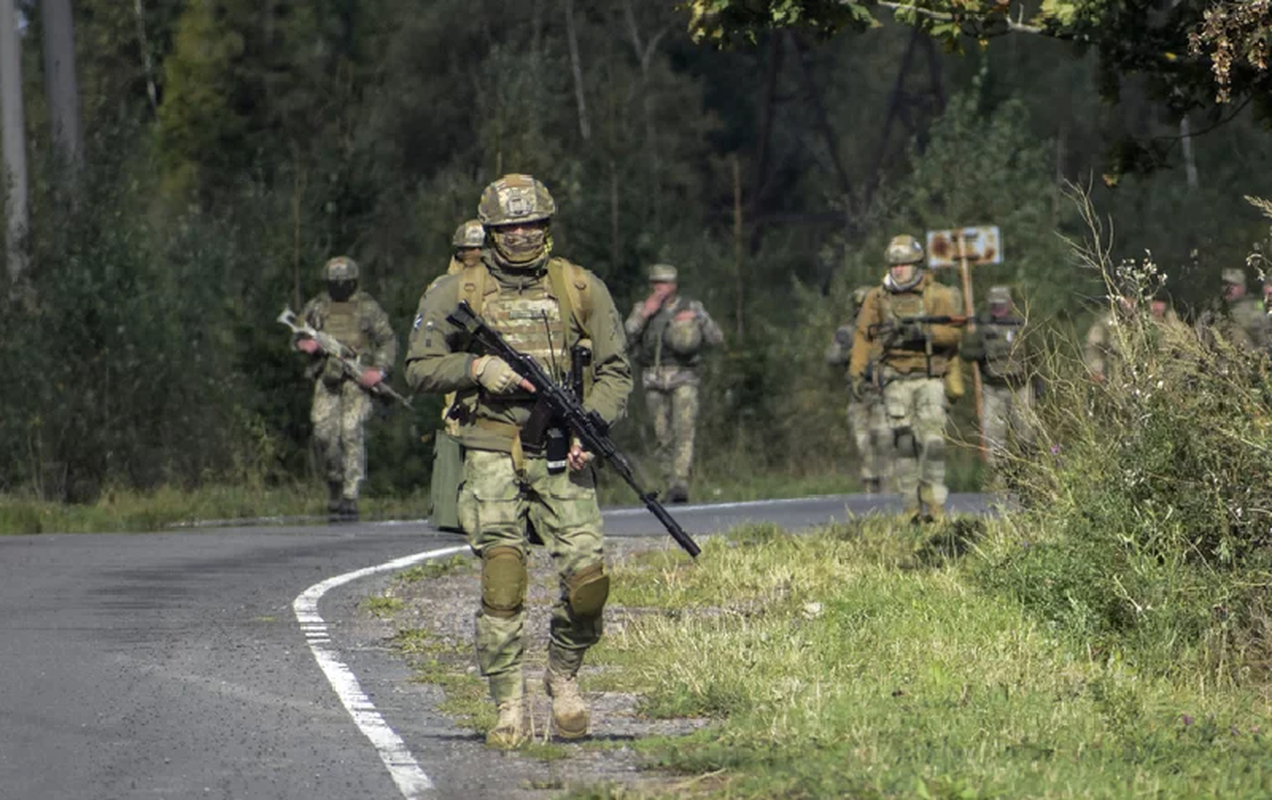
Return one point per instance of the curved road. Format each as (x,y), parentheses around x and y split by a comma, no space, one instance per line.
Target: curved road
(209,663)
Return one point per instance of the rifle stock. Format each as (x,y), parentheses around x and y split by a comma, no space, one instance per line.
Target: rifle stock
(590,428)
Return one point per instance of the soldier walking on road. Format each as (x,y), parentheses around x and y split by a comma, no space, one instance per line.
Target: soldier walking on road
(544,306)
(913,358)
(866,417)
(342,401)
(667,332)
(998,344)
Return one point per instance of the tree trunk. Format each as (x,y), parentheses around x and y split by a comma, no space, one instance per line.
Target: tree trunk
(12,131)
(576,66)
(60,84)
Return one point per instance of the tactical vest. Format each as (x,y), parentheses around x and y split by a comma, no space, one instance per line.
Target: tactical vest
(1004,352)
(343,321)
(900,305)
(654,350)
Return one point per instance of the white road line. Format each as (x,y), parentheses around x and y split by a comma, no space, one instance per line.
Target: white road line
(406,771)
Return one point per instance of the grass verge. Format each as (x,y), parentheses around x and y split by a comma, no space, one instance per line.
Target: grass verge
(864,661)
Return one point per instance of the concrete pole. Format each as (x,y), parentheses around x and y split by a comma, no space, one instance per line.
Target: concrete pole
(13,134)
(60,82)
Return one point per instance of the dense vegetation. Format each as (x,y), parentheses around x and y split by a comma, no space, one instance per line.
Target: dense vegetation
(230,147)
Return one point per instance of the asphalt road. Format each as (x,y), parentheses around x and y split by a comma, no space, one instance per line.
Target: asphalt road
(221,663)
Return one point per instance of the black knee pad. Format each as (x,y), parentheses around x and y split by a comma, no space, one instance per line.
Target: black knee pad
(587,590)
(504,579)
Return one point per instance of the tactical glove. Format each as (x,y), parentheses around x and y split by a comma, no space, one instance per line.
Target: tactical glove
(858,387)
(494,375)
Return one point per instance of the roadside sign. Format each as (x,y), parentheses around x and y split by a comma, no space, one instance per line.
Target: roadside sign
(979,245)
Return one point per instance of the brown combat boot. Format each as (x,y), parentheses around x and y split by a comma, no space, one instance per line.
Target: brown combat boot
(570,717)
(510,729)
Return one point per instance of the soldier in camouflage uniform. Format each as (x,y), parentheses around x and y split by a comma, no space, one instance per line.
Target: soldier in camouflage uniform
(1007,395)
(913,359)
(667,333)
(341,401)
(1244,324)
(544,306)
(1105,339)
(866,417)
(448,453)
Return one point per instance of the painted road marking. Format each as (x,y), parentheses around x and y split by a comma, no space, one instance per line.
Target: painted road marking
(410,778)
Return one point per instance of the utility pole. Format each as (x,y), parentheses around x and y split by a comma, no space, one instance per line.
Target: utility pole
(13,134)
(60,83)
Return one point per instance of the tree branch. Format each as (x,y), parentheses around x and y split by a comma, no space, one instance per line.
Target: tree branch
(1015,26)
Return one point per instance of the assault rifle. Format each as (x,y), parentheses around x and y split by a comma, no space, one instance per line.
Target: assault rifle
(588,426)
(333,347)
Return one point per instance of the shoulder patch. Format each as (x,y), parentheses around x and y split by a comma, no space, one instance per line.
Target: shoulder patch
(419,321)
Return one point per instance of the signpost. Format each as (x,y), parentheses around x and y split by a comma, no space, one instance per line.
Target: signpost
(965,248)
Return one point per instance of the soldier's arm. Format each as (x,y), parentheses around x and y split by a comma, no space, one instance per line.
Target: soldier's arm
(636,322)
(862,343)
(611,371)
(711,333)
(950,303)
(432,362)
(383,342)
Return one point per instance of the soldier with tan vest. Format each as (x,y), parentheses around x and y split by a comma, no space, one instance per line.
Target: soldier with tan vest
(999,345)
(912,358)
(550,309)
(341,404)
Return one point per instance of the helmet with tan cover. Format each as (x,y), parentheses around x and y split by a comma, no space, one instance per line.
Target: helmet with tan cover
(470,234)
(903,249)
(515,199)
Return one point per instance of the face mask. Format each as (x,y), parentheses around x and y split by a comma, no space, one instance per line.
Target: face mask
(470,257)
(521,247)
(341,291)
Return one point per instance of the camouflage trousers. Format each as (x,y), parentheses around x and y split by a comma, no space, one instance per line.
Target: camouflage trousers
(495,504)
(916,411)
(675,413)
(339,415)
(869,425)
(1006,417)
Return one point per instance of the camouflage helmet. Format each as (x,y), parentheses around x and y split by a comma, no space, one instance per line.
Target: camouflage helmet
(1234,275)
(340,268)
(999,294)
(903,249)
(470,234)
(514,199)
(662,273)
(684,336)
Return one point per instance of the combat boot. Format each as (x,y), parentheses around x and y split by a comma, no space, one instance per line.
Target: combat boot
(935,514)
(334,496)
(348,509)
(678,494)
(570,717)
(871,485)
(510,728)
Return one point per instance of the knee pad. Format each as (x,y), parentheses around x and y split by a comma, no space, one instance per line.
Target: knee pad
(934,448)
(903,441)
(587,590)
(504,579)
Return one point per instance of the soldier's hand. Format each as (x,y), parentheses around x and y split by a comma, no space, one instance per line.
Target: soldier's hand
(858,387)
(309,346)
(578,458)
(497,377)
(370,377)
(686,315)
(652,304)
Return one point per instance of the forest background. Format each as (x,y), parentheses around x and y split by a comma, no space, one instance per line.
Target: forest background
(230,147)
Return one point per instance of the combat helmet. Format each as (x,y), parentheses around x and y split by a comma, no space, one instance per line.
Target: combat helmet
(340,268)
(903,249)
(470,234)
(662,273)
(514,199)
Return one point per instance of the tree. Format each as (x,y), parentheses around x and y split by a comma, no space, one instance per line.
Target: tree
(13,131)
(60,81)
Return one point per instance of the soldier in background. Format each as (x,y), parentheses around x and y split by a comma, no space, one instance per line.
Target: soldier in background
(341,401)
(448,453)
(544,306)
(997,342)
(1103,352)
(1244,323)
(913,359)
(866,417)
(667,334)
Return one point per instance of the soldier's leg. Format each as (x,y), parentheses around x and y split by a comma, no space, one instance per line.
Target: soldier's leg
(684,416)
(995,405)
(930,416)
(859,424)
(492,510)
(902,441)
(565,512)
(324,414)
(659,404)
(1021,416)
(880,436)
(353,420)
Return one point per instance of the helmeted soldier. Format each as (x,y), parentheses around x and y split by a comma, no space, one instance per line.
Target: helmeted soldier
(998,344)
(667,333)
(866,417)
(544,306)
(913,357)
(1106,340)
(1244,324)
(341,402)
(468,241)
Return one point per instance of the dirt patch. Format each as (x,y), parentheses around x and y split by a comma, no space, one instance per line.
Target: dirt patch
(438,607)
